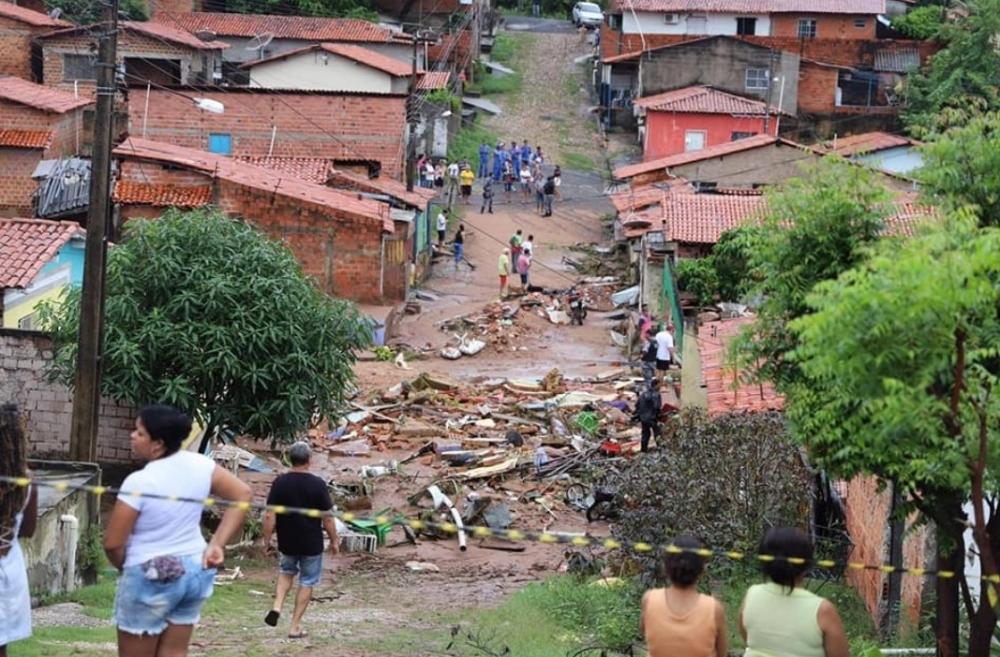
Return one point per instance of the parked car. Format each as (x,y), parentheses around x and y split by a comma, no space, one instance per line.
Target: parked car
(588,14)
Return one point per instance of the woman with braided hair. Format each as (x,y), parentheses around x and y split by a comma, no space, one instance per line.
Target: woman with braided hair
(18,513)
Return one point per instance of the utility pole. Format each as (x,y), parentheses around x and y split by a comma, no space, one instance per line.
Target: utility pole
(87,390)
(411,119)
(767,107)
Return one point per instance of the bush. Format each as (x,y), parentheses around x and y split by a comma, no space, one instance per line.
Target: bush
(465,143)
(921,23)
(699,278)
(725,479)
(731,256)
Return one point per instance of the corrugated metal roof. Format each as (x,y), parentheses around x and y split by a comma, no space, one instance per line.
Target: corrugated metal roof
(897,60)
(65,189)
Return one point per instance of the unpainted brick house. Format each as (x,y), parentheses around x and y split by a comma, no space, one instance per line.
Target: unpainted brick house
(18,27)
(353,130)
(36,123)
(337,236)
(148,52)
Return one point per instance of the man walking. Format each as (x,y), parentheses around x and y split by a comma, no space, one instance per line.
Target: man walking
(487,196)
(647,413)
(300,537)
(664,348)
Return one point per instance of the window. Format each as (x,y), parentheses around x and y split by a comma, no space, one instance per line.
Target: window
(79,67)
(694,140)
(746,25)
(757,78)
(736,136)
(26,323)
(220,143)
(807,28)
(860,22)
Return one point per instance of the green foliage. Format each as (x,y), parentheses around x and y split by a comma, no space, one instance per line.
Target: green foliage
(86,12)
(362,9)
(962,169)
(725,479)
(964,75)
(731,257)
(698,276)
(817,226)
(206,313)
(464,145)
(921,23)
(880,358)
(493,84)
(505,47)
(603,615)
(384,353)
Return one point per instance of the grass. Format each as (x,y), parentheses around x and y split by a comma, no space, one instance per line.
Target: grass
(465,144)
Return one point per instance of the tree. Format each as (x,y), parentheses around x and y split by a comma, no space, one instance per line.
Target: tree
(965,74)
(921,22)
(817,226)
(331,8)
(900,361)
(205,313)
(697,276)
(86,12)
(731,257)
(962,169)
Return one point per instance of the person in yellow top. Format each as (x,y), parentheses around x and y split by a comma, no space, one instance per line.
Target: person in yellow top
(780,618)
(466,178)
(679,621)
(503,268)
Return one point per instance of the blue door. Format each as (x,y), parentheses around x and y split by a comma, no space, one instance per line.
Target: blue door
(221,143)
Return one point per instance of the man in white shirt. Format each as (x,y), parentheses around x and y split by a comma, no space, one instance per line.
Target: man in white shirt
(442,225)
(529,245)
(452,182)
(664,347)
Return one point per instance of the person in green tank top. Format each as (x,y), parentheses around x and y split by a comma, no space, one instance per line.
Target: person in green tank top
(780,618)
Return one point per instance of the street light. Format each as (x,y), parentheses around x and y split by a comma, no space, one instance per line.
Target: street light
(209,105)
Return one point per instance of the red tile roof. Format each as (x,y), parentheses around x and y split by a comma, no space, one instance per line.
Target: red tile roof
(702,218)
(754,6)
(727,389)
(287,27)
(700,99)
(25,15)
(638,198)
(868,142)
(757,141)
(360,54)
(38,96)
(27,245)
(254,177)
(431,80)
(25,138)
(418,198)
(162,196)
(313,169)
(160,31)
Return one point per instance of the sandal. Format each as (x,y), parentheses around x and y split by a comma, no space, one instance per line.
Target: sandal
(272,617)
(300,635)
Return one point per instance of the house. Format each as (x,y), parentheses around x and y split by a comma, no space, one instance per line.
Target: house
(693,118)
(18,27)
(36,123)
(747,163)
(459,24)
(351,129)
(332,67)
(39,259)
(253,37)
(880,150)
(149,52)
(338,237)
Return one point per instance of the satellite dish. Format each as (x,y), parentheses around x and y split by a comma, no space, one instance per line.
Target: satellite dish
(260,41)
(55,13)
(206,34)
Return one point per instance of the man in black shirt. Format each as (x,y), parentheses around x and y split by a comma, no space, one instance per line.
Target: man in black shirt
(647,413)
(300,538)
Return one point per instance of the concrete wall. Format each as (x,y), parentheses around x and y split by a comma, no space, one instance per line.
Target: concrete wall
(319,70)
(47,406)
(237,50)
(665,132)
(655,23)
(721,63)
(761,166)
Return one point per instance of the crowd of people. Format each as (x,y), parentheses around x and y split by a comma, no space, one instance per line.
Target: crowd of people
(516,257)
(519,169)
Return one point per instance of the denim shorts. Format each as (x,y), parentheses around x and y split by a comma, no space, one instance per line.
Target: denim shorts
(143,606)
(309,569)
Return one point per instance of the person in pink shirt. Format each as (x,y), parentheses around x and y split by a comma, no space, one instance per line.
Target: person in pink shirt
(523,267)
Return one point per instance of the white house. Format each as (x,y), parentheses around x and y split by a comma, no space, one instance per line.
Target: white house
(337,67)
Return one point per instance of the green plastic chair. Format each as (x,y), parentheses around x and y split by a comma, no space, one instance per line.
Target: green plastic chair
(373,527)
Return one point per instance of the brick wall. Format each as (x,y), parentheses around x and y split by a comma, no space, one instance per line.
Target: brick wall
(339,126)
(16,185)
(167,9)
(827,26)
(130,44)
(15,48)
(48,407)
(341,252)
(67,128)
(817,88)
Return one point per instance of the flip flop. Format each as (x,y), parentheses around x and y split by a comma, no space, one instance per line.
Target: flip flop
(272,618)
(301,635)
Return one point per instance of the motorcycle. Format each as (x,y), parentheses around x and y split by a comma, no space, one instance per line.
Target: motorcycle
(577,307)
